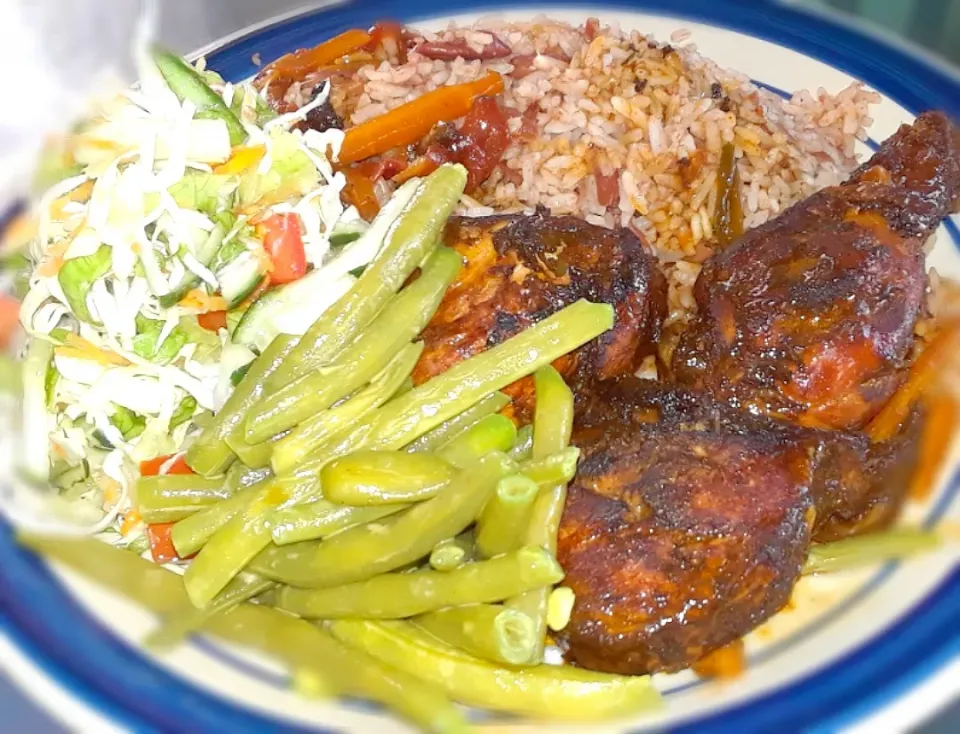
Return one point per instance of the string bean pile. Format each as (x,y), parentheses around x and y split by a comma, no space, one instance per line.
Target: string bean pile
(399,523)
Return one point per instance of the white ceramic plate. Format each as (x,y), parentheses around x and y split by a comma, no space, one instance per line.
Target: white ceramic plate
(852,645)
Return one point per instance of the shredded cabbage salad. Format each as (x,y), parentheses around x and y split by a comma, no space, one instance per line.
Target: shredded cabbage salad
(148,252)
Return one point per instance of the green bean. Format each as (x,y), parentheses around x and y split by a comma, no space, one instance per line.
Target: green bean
(552,426)
(368,550)
(328,424)
(294,642)
(384,477)
(554,469)
(423,211)
(189,619)
(239,476)
(210,454)
(401,321)
(452,553)
(544,691)
(406,418)
(235,544)
(190,534)
(864,550)
(491,632)
(172,497)
(428,405)
(502,526)
(523,448)
(187,84)
(494,433)
(450,429)
(254,456)
(397,595)
(321,519)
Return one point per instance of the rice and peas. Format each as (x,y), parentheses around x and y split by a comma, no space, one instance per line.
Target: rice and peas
(615,127)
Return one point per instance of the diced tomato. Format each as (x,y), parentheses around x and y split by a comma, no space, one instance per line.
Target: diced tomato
(283,241)
(9,318)
(212,320)
(151,467)
(161,544)
(486,137)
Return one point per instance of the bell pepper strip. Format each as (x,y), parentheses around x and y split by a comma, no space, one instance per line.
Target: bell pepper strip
(283,242)
(161,546)
(299,63)
(410,122)
(389,37)
(359,191)
(421,167)
(155,466)
(923,373)
(242,157)
(485,139)
(212,320)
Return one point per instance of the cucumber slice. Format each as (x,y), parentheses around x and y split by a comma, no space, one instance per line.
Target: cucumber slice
(239,278)
(346,232)
(205,254)
(291,308)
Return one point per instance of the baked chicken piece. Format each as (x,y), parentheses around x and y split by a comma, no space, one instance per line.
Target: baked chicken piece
(520,269)
(689,521)
(811,316)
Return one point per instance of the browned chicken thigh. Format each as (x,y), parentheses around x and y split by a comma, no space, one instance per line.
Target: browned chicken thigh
(689,521)
(520,269)
(811,316)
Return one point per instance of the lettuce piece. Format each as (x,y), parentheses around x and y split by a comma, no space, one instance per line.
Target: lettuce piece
(183,412)
(291,173)
(202,191)
(148,334)
(128,423)
(50,380)
(78,275)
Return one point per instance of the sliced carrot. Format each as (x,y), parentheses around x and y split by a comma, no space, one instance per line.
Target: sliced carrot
(152,467)
(79,348)
(410,122)
(939,427)
(726,663)
(421,167)
(9,319)
(922,374)
(241,158)
(203,301)
(302,62)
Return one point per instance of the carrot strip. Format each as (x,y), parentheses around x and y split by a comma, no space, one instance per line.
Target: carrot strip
(203,301)
(299,63)
(939,426)
(79,348)
(410,122)
(420,167)
(922,374)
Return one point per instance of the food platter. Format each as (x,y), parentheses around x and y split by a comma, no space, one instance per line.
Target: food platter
(851,646)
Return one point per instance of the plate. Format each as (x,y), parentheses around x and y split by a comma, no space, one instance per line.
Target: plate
(852,645)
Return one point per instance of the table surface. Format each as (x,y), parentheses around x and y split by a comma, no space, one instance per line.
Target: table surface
(186,25)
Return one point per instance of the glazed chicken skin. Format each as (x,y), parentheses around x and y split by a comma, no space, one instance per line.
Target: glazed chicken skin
(521,269)
(811,316)
(689,521)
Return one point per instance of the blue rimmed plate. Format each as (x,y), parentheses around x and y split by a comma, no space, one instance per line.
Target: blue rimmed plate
(884,640)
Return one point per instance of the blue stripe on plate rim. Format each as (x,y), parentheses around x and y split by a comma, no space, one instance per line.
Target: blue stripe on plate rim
(83,656)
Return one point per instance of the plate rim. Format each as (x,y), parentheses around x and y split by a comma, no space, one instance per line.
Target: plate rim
(815,34)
